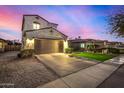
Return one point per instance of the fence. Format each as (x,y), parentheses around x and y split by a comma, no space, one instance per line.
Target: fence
(12,47)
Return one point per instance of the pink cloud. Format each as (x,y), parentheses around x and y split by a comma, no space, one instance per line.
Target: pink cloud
(89,32)
(8,19)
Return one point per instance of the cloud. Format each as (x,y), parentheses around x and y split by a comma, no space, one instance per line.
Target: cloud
(86,21)
(7,36)
(89,32)
(10,34)
(10,19)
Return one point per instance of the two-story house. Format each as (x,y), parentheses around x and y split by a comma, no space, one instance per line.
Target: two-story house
(42,35)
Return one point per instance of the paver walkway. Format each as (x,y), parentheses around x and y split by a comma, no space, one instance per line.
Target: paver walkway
(90,77)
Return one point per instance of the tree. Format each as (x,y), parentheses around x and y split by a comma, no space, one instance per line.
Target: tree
(116,22)
(90,47)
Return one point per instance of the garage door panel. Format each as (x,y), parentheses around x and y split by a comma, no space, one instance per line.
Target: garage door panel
(48,46)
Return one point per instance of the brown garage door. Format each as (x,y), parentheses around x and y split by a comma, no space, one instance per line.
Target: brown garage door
(48,46)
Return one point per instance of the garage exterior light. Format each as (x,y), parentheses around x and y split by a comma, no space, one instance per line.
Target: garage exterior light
(29,43)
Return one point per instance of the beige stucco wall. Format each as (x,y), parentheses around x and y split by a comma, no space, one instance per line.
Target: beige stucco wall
(28,22)
(65,45)
(45,33)
(104,51)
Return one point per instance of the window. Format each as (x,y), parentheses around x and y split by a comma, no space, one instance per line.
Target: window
(82,45)
(36,25)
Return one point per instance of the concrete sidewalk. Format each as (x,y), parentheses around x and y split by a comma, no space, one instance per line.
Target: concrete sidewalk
(88,78)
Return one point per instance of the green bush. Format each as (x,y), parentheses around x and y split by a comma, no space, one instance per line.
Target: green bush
(69,50)
(26,53)
(114,50)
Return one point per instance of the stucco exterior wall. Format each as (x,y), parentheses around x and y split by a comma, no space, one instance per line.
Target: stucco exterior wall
(65,45)
(52,25)
(28,22)
(45,33)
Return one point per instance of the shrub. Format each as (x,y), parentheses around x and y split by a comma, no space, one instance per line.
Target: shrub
(26,53)
(69,50)
(114,50)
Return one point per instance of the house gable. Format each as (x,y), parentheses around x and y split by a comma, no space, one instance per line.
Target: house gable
(46,29)
(28,21)
(49,33)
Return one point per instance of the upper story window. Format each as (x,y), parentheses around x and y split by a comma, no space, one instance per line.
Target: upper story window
(36,25)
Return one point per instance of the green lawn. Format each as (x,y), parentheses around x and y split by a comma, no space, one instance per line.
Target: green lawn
(99,57)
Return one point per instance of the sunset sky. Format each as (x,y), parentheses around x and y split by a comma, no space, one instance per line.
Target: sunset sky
(74,21)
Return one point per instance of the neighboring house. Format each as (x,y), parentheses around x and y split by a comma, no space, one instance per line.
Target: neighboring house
(3,43)
(93,45)
(42,36)
(86,44)
(76,44)
(7,45)
(120,47)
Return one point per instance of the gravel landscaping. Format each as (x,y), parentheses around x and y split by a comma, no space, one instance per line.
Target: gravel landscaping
(24,73)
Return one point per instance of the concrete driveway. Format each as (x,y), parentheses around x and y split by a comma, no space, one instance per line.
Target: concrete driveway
(62,64)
